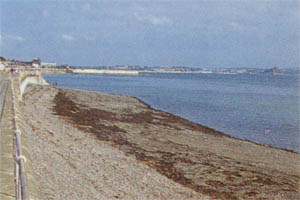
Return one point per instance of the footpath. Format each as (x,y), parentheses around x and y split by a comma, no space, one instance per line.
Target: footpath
(16,175)
(7,183)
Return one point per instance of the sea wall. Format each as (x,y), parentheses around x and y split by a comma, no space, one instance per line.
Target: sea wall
(100,71)
(15,161)
(19,127)
(26,78)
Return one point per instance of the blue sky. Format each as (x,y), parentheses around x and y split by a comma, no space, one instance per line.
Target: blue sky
(194,33)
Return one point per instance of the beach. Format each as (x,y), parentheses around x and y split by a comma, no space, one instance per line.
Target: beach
(93,145)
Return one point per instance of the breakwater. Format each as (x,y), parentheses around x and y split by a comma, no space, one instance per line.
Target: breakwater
(104,71)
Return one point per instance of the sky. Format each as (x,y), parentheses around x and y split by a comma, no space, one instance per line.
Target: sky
(193,33)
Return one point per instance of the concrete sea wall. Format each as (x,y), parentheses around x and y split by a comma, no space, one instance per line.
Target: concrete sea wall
(31,183)
(25,79)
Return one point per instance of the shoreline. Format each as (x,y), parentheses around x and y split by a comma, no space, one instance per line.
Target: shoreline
(198,158)
(205,127)
(279,137)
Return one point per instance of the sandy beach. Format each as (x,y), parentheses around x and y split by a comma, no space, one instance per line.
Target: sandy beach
(92,145)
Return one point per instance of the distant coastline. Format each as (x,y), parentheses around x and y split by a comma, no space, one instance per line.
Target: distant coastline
(103,71)
(140,70)
(53,68)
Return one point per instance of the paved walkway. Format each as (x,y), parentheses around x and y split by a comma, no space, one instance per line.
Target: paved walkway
(7,184)
(3,87)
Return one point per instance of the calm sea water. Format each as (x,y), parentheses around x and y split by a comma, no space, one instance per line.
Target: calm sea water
(261,108)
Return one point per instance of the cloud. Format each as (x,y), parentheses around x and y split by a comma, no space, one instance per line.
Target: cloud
(15,37)
(67,37)
(155,20)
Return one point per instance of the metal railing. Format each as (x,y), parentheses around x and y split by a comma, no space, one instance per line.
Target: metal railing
(20,160)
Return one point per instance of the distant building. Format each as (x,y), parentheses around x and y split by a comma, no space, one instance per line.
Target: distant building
(7,62)
(36,63)
(2,63)
(64,66)
(48,64)
(2,59)
(18,64)
(2,66)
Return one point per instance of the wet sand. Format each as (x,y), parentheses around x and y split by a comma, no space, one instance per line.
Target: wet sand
(162,155)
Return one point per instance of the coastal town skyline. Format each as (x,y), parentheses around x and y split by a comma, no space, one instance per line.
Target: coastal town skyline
(46,67)
(153,33)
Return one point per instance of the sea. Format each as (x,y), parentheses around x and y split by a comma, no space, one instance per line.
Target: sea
(262,108)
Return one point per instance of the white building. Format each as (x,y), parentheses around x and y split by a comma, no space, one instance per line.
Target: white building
(36,63)
(2,63)
(2,67)
(48,64)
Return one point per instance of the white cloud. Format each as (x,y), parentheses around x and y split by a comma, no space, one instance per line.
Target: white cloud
(67,37)
(15,37)
(155,20)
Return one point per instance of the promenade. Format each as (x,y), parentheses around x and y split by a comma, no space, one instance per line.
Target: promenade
(7,184)
(16,176)
(3,88)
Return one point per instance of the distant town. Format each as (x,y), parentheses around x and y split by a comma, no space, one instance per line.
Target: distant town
(183,69)
(52,67)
